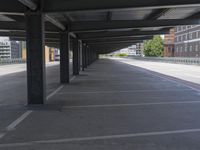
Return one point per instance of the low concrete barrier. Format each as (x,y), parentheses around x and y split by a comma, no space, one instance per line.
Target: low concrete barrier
(177,60)
(11,61)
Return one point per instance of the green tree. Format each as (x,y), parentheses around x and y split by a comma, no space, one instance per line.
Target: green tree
(154,47)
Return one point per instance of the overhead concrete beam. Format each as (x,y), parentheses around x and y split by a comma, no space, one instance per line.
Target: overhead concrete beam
(117,34)
(118,39)
(107,5)
(94,26)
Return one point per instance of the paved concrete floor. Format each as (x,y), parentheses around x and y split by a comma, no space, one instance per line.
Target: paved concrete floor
(189,73)
(110,106)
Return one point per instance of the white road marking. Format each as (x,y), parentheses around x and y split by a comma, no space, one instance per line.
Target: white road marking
(2,134)
(58,89)
(13,125)
(18,120)
(106,137)
(136,104)
(54,92)
(73,78)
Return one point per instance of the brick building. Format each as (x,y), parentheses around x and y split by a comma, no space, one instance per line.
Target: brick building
(169,44)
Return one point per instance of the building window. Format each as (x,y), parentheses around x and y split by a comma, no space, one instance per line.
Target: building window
(181,49)
(177,49)
(179,28)
(196,48)
(194,35)
(190,35)
(190,48)
(185,47)
(199,34)
(184,37)
(176,39)
(179,38)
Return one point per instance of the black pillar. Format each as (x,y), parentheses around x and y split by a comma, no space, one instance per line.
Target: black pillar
(35,58)
(64,57)
(75,57)
(90,56)
(83,56)
(79,56)
(88,59)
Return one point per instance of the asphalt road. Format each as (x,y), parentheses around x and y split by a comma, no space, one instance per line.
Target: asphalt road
(112,105)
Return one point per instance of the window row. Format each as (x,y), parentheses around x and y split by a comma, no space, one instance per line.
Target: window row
(183,28)
(187,48)
(187,36)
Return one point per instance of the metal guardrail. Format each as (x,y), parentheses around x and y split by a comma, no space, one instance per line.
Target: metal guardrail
(11,61)
(177,60)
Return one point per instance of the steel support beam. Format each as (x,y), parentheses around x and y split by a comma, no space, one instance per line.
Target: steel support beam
(24,39)
(64,57)
(13,6)
(83,56)
(79,56)
(75,57)
(118,39)
(21,26)
(107,5)
(35,58)
(117,34)
(33,6)
(88,55)
(94,26)
(22,34)
(115,42)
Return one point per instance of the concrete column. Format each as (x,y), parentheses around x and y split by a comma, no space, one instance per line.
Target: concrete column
(88,55)
(75,57)
(79,56)
(35,58)
(83,57)
(64,57)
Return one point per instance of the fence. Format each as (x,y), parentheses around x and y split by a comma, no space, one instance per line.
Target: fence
(11,61)
(178,60)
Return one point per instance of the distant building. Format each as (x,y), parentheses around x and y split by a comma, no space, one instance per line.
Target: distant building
(169,44)
(134,50)
(187,41)
(10,49)
(49,52)
(5,49)
(140,49)
(16,49)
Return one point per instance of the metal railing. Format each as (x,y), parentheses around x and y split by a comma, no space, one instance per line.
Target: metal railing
(177,60)
(11,61)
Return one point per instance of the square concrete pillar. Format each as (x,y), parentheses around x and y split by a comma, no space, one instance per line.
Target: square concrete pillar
(35,58)
(75,57)
(83,56)
(64,56)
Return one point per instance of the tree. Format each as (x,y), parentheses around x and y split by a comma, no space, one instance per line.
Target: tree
(154,47)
